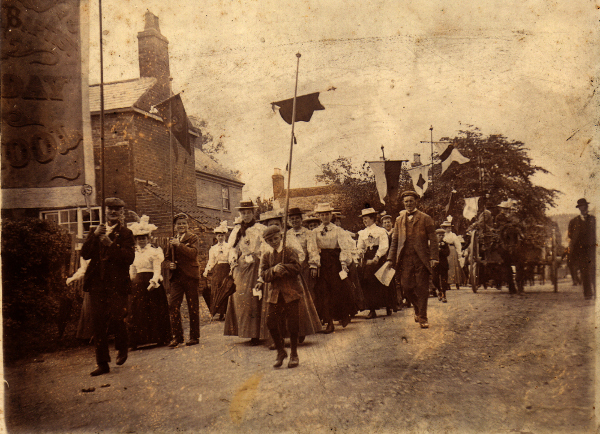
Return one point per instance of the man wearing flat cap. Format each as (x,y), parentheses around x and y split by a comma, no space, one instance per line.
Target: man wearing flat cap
(414,253)
(582,247)
(184,280)
(110,249)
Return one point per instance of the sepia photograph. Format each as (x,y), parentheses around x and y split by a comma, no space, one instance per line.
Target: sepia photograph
(299,216)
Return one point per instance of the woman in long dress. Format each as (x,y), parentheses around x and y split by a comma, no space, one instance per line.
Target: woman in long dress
(243,316)
(218,265)
(373,246)
(149,321)
(455,273)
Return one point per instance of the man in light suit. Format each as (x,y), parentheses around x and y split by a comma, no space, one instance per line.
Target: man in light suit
(414,253)
(184,279)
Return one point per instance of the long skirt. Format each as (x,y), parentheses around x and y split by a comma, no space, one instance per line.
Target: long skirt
(377,295)
(219,273)
(85,328)
(455,273)
(309,322)
(334,299)
(243,316)
(149,319)
(356,288)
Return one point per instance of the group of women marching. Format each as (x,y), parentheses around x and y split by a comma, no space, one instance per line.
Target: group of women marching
(338,274)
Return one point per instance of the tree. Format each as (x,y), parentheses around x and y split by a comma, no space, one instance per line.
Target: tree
(357,188)
(500,169)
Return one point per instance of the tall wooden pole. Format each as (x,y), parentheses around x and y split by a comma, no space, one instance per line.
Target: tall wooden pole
(287,194)
(432,192)
(171,164)
(102,185)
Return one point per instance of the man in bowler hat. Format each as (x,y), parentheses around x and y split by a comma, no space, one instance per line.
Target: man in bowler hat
(414,253)
(582,246)
(110,249)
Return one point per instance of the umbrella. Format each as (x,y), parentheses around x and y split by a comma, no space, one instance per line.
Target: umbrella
(225,289)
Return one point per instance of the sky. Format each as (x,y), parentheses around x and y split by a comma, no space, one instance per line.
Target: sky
(526,69)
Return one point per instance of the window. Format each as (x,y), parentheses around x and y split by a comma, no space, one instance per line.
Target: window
(225,197)
(75,220)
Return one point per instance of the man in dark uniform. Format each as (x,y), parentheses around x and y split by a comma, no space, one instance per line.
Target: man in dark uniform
(414,253)
(184,279)
(110,249)
(582,247)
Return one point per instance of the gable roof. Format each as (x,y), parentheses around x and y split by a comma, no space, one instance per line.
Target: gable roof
(120,94)
(205,164)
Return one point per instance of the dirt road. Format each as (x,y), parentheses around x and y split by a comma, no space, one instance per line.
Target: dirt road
(490,362)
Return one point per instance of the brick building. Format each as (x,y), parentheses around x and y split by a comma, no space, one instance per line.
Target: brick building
(137,152)
(305,198)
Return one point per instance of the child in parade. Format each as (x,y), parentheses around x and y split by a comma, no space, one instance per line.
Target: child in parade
(440,271)
(280,268)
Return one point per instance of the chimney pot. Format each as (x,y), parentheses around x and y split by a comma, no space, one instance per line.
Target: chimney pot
(417,160)
(278,188)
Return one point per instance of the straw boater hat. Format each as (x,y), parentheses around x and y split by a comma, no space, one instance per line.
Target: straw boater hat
(311,218)
(143,227)
(323,207)
(410,193)
(222,228)
(246,204)
(440,231)
(582,202)
(271,215)
(506,204)
(368,211)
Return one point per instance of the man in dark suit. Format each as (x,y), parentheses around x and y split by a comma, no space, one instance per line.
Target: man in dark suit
(414,253)
(582,247)
(110,249)
(184,279)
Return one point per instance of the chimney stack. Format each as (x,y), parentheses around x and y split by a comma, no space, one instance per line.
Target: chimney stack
(417,160)
(278,188)
(153,55)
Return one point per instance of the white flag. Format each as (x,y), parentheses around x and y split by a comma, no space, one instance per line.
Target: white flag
(470,210)
(420,178)
(378,168)
(454,156)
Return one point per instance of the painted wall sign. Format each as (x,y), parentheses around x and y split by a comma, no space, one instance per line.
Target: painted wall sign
(45,112)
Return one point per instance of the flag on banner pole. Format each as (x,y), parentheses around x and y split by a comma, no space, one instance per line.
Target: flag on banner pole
(420,178)
(178,123)
(451,201)
(387,178)
(455,155)
(470,209)
(306,105)
(448,154)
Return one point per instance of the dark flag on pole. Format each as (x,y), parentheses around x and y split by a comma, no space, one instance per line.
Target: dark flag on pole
(178,122)
(451,202)
(306,105)
(387,178)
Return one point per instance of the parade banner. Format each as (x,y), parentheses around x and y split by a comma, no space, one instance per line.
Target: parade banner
(45,108)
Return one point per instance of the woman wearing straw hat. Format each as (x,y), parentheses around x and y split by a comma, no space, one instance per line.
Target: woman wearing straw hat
(329,259)
(373,246)
(243,317)
(218,264)
(149,321)
(455,274)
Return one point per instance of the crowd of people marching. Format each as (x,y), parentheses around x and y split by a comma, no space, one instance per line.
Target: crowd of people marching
(267,282)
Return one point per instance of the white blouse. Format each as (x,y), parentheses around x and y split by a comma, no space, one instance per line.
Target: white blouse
(453,239)
(328,237)
(248,245)
(373,236)
(218,254)
(147,260)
